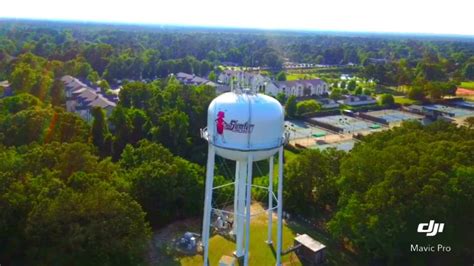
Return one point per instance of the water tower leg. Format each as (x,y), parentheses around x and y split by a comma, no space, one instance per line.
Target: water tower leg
(207,203)
(247,209)
(270,202)
(236,198)
(280,205)
(240,212)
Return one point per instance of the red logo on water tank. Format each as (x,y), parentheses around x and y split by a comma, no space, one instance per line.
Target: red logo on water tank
(220,122)
(233,126)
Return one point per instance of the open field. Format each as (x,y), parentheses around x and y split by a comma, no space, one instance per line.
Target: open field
(330,74)
(301,76)
(404,100)
(390,90)
(467,85)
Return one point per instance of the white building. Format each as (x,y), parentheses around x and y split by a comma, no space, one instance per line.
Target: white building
(263,84)
(256,82)
(300,88)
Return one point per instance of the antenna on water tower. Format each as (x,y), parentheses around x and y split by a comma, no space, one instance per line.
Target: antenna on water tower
(244,127)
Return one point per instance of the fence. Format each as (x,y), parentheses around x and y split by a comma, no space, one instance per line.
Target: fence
(373,118)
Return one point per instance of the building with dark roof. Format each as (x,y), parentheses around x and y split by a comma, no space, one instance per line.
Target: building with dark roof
(353,100)
(80,98)
(327,103)
(189,79)
(5,89)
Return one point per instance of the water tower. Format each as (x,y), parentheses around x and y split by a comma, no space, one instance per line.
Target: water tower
(245,127)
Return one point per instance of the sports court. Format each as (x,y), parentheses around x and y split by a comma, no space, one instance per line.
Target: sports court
(299,129)
(347,124)
(465,104)
(456,112)
(345,145)
(394,116)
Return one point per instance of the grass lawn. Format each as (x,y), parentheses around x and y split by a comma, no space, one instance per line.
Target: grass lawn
(388,89)
(467,85)
(299,76)
(261,253)
(404,100)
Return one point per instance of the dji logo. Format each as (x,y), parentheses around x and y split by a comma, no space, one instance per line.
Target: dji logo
(431,229)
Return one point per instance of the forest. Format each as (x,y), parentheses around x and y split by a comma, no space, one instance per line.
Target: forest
(133,52)
(78,193)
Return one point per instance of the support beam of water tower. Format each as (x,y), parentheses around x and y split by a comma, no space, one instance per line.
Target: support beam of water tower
(207,203)
(236,197)
(240,209)
(270,201)
(247,208)
(280,205)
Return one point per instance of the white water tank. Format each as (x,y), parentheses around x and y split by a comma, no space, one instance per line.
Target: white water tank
(243,123)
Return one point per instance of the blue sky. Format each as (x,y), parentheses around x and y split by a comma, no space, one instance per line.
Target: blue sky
(410,16)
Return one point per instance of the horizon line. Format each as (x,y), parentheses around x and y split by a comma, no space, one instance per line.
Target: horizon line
(229,27)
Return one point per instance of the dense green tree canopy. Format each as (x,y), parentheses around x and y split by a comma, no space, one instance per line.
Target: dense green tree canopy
(469,71)
(25,120)
(351,85)
(281,76)
(99,130)
(115,54)
(416,93)
(90,223)
(281,97)
(306,107)
(290,106)
(61,206)
(167,187)
(310,182)
(336,94)
(400,178)
(386,99)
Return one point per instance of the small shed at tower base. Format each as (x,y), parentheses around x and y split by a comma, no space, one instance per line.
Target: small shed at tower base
(227,261)
(310,251)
